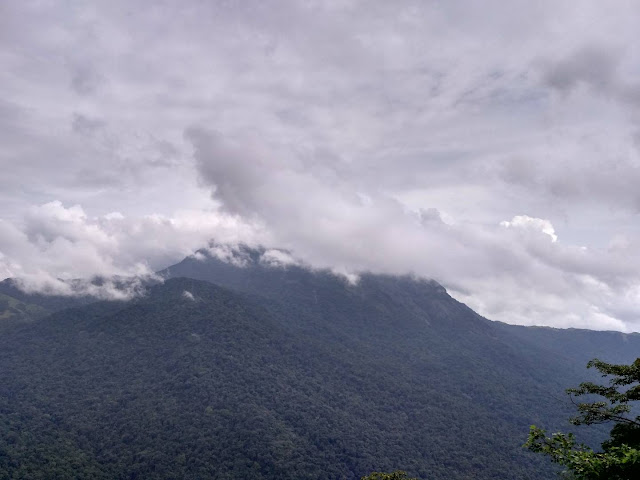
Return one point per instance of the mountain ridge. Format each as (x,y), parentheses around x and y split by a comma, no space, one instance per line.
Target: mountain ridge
(269,372)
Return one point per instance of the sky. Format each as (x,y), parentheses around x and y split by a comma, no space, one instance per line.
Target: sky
(492,146)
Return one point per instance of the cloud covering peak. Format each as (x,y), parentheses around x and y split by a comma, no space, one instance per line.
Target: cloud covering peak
(491,147)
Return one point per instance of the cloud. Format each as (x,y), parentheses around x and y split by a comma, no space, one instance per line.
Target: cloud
(54,245)
(335,225)
(536,224)
(188,295)
(592,65)
(86,125)
(355,135)
(595,66)
(85,80)
(114,288)
(278,258)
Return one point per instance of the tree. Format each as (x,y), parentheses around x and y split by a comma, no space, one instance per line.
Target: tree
(397,475)
(620,455)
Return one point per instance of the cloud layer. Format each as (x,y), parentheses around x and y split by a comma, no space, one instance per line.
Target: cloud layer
(53,244)
(492,147)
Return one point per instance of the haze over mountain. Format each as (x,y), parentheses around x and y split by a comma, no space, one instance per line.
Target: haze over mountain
(246,367)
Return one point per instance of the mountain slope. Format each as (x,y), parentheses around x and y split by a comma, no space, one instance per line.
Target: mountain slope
(578,345)
(13,310)
(17,306)
(294,286)
(281,373)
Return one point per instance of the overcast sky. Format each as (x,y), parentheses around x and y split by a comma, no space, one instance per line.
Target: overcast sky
(493,146)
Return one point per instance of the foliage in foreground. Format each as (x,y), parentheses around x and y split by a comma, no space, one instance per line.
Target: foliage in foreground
(620,455)
(397,475)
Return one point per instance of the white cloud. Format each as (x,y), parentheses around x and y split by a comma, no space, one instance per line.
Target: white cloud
(393,136)
(526,222)
(277,258)
(516,271)
(188,295)
(54,244)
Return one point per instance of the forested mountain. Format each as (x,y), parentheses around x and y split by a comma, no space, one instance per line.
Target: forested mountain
(579,345)
(14,311)
(569,349)
(17,306)
(279,372)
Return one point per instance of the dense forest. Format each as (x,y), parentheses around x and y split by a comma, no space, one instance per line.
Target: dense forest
(259,372)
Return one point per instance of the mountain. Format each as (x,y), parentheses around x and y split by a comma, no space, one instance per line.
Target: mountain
(248,272)
(12,310)
(241,369)
(578,345)
(17,306)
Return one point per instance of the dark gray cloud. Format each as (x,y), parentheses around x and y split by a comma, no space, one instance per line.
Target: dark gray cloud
(594,66)
(85,80)
(85,125)
(492,147)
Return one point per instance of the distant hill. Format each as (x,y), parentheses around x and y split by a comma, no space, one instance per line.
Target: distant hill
(12,311)
(578,345)
(18,306)
(263,372)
